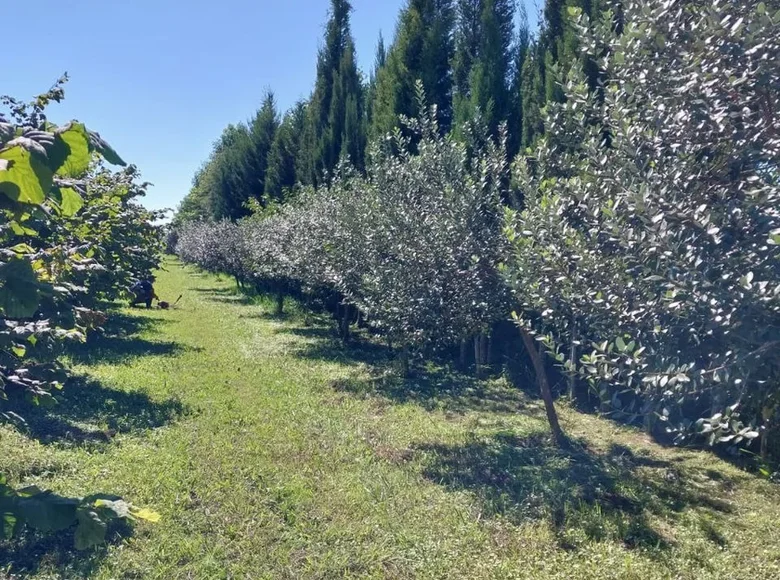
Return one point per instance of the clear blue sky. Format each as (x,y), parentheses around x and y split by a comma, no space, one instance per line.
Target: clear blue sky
(160,79)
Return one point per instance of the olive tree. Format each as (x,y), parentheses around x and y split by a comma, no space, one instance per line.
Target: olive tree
(648,249)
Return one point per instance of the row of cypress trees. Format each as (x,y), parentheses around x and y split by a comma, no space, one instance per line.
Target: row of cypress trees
(475,59)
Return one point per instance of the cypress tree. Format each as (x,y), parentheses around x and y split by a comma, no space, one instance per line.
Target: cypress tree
(229,186)
(338,83)
(532,95)
(422,50)
(467,41)
(515,116)
(468,34)
(491,75)
(262,132)
(550,59)
(379,62)
(282,174)
(483,61)
(195,205)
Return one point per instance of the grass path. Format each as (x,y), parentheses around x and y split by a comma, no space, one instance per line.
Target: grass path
(273,453)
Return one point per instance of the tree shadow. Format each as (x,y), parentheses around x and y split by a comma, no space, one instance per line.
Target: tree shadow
(118,343)
(122,324)
(121,350)
(216,290)
(322,344)
(35,552)
(433,387)
(237,300)
(223,295)
(90,413)
(443,389)
(583,494)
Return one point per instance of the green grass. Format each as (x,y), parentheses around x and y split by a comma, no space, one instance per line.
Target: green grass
(273,452)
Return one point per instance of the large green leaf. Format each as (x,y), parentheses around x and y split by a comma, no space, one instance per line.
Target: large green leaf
(91,530)
(24,178)
(47,512)
(70,155)
(18,289)
(97,143)
(69,200)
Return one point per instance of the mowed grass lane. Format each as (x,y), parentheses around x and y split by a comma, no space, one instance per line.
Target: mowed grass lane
(272,452)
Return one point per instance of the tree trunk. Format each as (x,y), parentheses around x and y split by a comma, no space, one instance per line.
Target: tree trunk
(477,369)
(345,320)
(279,303)
(404,360)
(464,344)
(573,359)
(483,348)
(490,355)
(764,452)
(649,423)
(544,387)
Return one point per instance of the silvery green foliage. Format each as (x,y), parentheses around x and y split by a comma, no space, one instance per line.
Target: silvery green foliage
(652,218)
(216,247)
(429,233)
(414,244)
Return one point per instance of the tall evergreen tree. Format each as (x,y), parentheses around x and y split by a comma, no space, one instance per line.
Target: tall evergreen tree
(195,205)
(483,61)
(467,41)
(550,60)
(229,180)
(490,78)
(532,94)
(379,62)
(282,174)
(262,132)
(515,115)
(338,82)
(422,50)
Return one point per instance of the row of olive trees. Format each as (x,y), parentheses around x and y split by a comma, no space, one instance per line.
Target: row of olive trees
(645,256)
(412,247)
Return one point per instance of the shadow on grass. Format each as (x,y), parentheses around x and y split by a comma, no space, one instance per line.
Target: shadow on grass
(433,387)
(122,324)
(35,552)
(441,389)
(322,344)
(217,291)
(230,295)
(91,413)
(584,495)
(118,343)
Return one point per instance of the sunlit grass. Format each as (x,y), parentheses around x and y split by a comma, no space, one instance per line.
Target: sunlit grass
(273,452)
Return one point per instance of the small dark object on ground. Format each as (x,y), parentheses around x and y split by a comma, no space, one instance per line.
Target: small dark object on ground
(166,305)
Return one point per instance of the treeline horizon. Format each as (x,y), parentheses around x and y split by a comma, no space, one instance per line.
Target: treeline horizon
(477,61)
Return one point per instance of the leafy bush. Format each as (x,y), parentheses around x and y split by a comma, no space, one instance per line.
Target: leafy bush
(650,238)
(413,245)
(70,235)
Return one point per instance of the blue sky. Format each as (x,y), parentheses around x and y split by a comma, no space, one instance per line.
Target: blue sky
(160,79)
